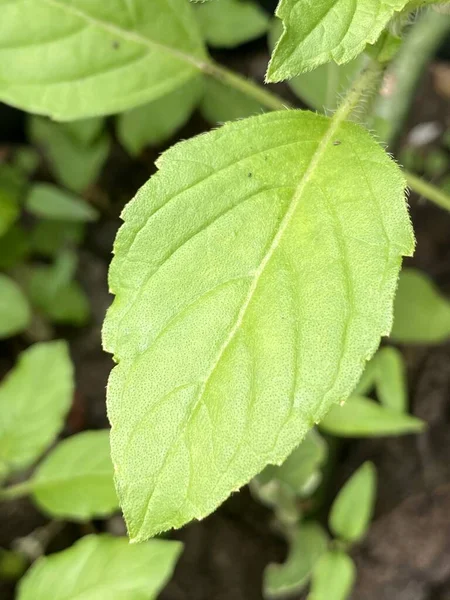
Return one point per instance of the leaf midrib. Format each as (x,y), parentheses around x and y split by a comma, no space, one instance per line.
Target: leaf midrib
(130,36)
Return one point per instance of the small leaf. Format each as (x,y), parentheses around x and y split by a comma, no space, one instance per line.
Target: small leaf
(101,567)
(322,87)
(307,544)
(14,309)
(221,308)
(14,247)
(60,301)
(222,103)
(349,27)
(49,237)
(85,131)
(50,202)
(34,399)
(333,577)
(300,466)
(361,417)
(134,52)
(421,313)
(387,373)
(230,23)
(73,163)
(352,509)
(76,480)
(391,381)
(155,122)
(11,188)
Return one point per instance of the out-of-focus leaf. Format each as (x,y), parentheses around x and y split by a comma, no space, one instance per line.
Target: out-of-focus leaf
(155,122)
(26,159)
(75,164)
(102,567)
(84,131)
(61,301)
(49,237)
(14,247)
(34,399)
(333,577)
(50,202)
(76,480)
(307,544)
(222,103)
(361,417)
(421,313)
(12,185)
(300,466)
(14,309)
(352,509)
(230,23)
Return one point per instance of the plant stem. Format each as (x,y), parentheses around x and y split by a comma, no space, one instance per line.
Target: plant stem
(15,491)
(427,190)
(246,86)
(362,88)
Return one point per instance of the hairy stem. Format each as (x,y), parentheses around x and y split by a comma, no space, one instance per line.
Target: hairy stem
(427,190)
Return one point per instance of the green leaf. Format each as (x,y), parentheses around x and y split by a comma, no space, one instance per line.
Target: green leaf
(11,188)
(157,121)
(230,23)
(14,247)
(49,237)
(387,373)
(101,567)
(300,466)
(222,103)
(361,417)
(391,383)
(135,52)
(333,577)
(60,301)
(73,163)
(322,87)
(14,309)
(320,32)
(307,545)
(422,314)
(34,400)
(85,131)
(221,308)
(352,509)
(76,480)
(50,202)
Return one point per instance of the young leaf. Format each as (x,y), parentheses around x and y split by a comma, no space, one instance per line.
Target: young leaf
(221,308)
(34,399)
(74,164)
(157,121)
(85,131)
(14,247)
(76,480)
(60,301)
(387,373)
(222,103)
(230,23)
(361,417)
(421,313)
(333,577)
(49,202)
(322,87)
(135,52)
(391,380)
(352,509)
(300,466)
(308,544)
(14,309)
(102,567)
(349,27)
(49,237)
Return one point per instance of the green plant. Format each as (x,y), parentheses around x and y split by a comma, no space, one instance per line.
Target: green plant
(254,274)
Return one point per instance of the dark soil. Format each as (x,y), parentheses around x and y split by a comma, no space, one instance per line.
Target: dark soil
(406,555)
